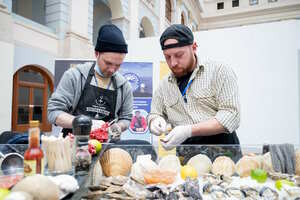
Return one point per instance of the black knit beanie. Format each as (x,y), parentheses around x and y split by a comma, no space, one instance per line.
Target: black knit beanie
(110,39)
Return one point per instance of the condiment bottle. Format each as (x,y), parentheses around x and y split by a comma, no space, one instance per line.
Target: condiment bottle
(33,156)
(81,130)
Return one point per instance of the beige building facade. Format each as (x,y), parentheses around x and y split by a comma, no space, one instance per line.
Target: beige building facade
(230,13)
(33,33)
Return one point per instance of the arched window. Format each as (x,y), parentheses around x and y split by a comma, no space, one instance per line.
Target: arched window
(101,15)
(32,88)
(182,18)
(146,28)
(168,12)
(142,31)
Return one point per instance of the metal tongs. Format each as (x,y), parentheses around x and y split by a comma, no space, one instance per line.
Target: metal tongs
(112,122)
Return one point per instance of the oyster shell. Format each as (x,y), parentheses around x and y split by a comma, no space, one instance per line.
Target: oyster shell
(250,192)
(136,190)
(269,193)
(236,192)
(267,163)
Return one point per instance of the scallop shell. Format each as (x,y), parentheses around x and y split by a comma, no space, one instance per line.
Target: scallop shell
(201,163)
(297,162)
(116,162)
(170,163)
(223,165)
(267,163)
(245,165)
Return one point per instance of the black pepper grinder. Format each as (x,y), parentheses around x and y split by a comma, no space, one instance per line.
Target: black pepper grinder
(81,129)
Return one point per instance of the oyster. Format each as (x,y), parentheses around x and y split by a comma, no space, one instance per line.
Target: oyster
(191,187)
(119,180)
(269,193)
(218,194)
(208,187)
(159,191)
(250,192)
(136,190)
(235,192)
(279,175)
(292,191)
(220,180)
(267,163)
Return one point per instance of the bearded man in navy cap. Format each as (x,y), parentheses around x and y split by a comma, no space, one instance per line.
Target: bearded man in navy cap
(96,90)
(199,99)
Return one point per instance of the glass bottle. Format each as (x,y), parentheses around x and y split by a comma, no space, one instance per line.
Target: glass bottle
(81,129)
(33,157)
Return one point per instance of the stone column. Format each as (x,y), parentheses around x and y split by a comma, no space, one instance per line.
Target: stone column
(134,21)
(2,5)
(77,43)
(7,67)
(178,12)
(162,16)
(57,16)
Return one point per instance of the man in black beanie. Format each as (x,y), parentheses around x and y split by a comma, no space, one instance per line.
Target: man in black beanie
(199,99)
(96,89)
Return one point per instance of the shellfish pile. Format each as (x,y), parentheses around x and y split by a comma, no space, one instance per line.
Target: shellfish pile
(220,179)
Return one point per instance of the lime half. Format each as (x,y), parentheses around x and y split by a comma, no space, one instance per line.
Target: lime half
(259,175)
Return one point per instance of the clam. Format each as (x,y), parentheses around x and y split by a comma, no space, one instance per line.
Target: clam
(116,162)
(201,163)
(223,165)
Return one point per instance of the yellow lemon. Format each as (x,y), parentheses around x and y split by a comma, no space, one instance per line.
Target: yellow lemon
(279,183)
(3,193)
(188,171)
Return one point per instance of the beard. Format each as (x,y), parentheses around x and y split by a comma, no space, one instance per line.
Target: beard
(183,70)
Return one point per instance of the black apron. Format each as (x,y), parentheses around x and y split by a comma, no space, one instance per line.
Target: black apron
(224,144)
(95,102)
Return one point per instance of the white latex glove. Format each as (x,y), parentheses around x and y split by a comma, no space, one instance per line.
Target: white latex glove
(97,124)
(158,126)
(178,135)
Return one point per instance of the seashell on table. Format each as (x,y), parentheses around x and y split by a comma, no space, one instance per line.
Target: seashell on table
(116,161)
